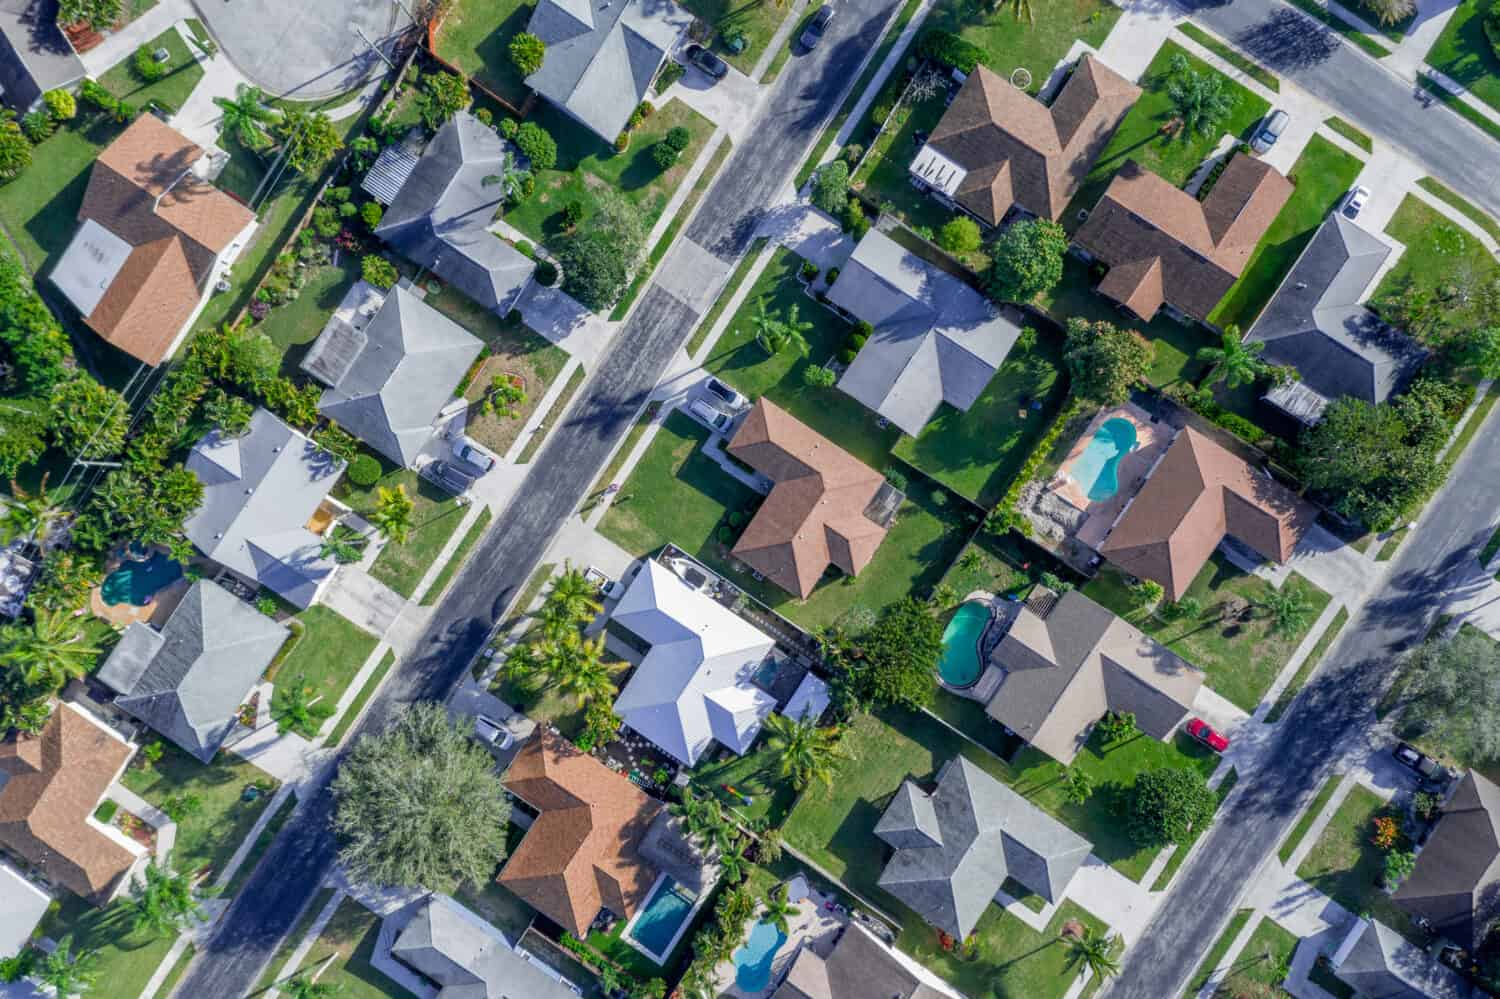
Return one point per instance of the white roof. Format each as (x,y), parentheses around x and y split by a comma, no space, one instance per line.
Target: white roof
(937,171)
(809,700)
(694,686)
(25,904)
(89,265)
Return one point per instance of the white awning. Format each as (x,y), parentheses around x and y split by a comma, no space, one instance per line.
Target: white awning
(937,171)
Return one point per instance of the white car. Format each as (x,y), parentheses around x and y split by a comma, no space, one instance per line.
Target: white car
(492,733)
(479,457)
(706,414)
(1354,201)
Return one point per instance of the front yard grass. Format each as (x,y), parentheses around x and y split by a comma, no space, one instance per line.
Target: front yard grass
(349,939)
(1436,251)
(1472,211)
(126,957)
(1322,174)
(1307,818)
(1263,960)
(331,651)
(475,37)
(435,515)
(456,560)
(756,20)
(1037,44)
(1240,658)
(1463,52)
(172,90)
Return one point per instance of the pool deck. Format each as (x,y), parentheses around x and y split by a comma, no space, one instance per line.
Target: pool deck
(163,602)
(1152,439)
(814,926)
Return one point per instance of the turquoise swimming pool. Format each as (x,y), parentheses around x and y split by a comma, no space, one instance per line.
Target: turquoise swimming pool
(136,582)
(960,665)
(661,917)
(752,961)
(1097,469)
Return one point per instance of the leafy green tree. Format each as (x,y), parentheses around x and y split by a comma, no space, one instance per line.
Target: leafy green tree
(88,419)
(65,581)
(379,271)
(830,187)
(599,257)
(1199,100)
(311,140)
(803,751)
(67,972)
(29,515)
(1104,360)
(817,376)
(442,96)
(420,805)
(1168,805)
(959,235)
(23,430)
(896,660)
(49,651)
(527,53)
(1452,696)
(15,148)
(164,900)
(392,515)
(1026,260)
(245,117)
(230,414)
(1234,361)
(1091,949)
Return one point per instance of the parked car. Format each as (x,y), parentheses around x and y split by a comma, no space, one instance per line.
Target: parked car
(724,393)
(704,413)
(707,61)
(1429,771)
(1354,202)
(1270,130)
(1206,734)
(475,455)
(449,476)
(813,33)
(492,733)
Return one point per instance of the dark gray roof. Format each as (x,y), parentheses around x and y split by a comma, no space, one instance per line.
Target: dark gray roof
(259,491)
(1455,886)
(466,957)
(910,820)
(188,680)
(859,967)
(601,57)
(936,339)
(440,219)
(1382,965)
(989,833)
(1316,324)
(34,55)
(389,380)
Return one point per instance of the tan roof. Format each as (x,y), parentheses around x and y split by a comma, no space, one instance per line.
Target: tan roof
(142,190)
(815,513)
(1163,245)
(1197,494)
(55,781)
(582,852)
(1019,151)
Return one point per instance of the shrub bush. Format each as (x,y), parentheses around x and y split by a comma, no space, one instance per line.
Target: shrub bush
(670,74)
(809,271)
(348,210)
(60,104)
(537,145)
(378,271)
(485,116)
(830,187)
(325,221)
(858,340)
(94,94)
(37,125)
(664,156)
(679,138)
(147,69)
(852,153)
(950,50)
(622,141)
(527,52)
(546,273)
(364,471)
(337,195)
(572,213)
(847,355)
(371,214)
(832,276)
(855,222)
(508,127)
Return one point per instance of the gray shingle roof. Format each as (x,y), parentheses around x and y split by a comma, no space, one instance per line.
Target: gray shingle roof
(188,680)
(1455,886)
(602,57)
(390,379)
(34,55)
(466,957)
(859,967)
(441,216)
(936,339)
(259,491)
(1316,324)
(1383,965)
(989,833)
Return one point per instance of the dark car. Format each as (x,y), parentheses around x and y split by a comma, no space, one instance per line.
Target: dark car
(707,61)
(1429,771)
(813,33)
(1204,733)
(449,476)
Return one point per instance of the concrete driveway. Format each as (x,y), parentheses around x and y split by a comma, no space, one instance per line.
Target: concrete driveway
(306,50)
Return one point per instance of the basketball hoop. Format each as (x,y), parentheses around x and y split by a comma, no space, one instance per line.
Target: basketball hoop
(1020,78)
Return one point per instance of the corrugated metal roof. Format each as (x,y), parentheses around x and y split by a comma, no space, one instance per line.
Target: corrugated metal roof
(385,179)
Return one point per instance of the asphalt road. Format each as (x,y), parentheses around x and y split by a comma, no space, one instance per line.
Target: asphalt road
(1328,719)
(1361,90)
(810,88)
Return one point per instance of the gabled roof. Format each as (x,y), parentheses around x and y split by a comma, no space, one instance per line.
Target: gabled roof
(34,55)
(989,833)
(1317,324)
(466,957)
(1164,246)
(820,509)
(1066,661)
(25,905)
(583,851)
(52,783)
(858,967)
(389,380)
(1198,493)
(602,57)
(1001,147)
(138,289)
(1455,886)
(441,217)
(188,680)
(1380,964)
(936,339)
(259,491)
(694,686)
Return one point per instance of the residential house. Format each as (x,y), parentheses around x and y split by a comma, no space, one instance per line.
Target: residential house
(1065,661)
(935,338)
(997,148)
(390,375)
(1164,247)
(50,785)
(260,493)
(34,55)
(154,240)
(188,680)
(1198,494)
(441,208)
(826,507)
(1317,325)
(25,905)
(463,956)
(694,685)
(602,57)
(859,966)
(956,845)
(1455,886)
(1379,963)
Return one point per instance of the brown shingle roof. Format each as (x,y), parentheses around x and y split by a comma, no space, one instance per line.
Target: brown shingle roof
(581,854)
(1169,247)
(815,514)
(55,781)
(1019,151)
(141,189)
(1199,493)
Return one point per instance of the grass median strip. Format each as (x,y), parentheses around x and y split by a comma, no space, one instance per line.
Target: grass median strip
(1348,131)
(262,844)
(361,699)
(1249,67)
(1309,664)
(695,342)
(559,407)
(1322,15)
(1314,809)
(1456,103)
(1490,548)
(1468,208)
(617,460)
(456,561)
(1217,951)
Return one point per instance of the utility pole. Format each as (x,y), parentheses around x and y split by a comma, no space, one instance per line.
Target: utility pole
(373,47)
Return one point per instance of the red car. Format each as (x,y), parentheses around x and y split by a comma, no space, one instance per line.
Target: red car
(1204,733)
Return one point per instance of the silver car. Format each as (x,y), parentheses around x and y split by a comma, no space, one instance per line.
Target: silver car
(1270,130)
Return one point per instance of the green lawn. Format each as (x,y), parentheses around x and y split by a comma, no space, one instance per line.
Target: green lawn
(1322,174)
(1307,818)
(261,845)
(456,560)
(1436,251)
(1231,55)
(1475,214)
(1463,52)
(756,20)
(1266,955)
(1037,44)
(1240,657)
(722,302)
(126,957)
(475,36)
(1350,132)
(210,832)
(330,652)
(175,86)
(349,939)
(977,453)
(295,325)
(1216,952)
(39,209)
(435,516)
(360,700)
(1347,867)
(753,775)
(1309,664)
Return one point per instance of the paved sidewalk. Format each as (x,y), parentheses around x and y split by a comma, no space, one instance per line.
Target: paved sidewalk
(199,116)
(1138,34)
(1411,52)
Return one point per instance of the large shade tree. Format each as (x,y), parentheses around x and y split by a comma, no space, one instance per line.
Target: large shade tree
(1452,696)
(1105,362)
(1200,100)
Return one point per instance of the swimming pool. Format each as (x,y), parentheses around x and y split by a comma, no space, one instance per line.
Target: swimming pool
(136,582)
(960,665)
(1097,469)
(752,960)
(655,928)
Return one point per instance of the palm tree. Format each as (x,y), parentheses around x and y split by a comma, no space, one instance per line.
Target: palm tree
(29,515)
(50,651)
(1078,786)
(393,510)
(803,751)
(296,710)
(509,176)
(577,666)
(343,544)
(245,117)
(1287,608)
(165,900)
(520,664)
(68,973)
(1199,99)
(1092,950)
(1390,12)
(698,981)
(769,850)
(733,864)
(1234,361)
(573,592)
(778,909)
(609,977)
(794,331)
(767,327)
(700,815)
